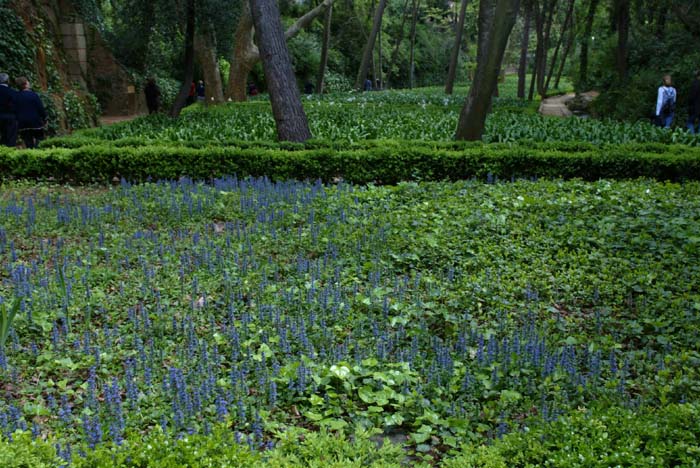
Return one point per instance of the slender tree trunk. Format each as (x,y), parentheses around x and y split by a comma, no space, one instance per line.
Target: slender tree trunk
(324,50)
(560,41)
(369,47)
(524,48)
(205,47)
(583,60)
(622,23)
(538,9)
(454,59)
(548,13)
(373,63)
(397,45)
(380,83)
(496,20)
(565,55)
(181,98)
(411,54)
(290,118)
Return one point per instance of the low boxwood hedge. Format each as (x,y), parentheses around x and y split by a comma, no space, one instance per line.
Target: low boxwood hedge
(385,161)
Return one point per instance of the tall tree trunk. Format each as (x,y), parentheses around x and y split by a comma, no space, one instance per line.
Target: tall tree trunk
(496,20)
(245,53)
(560,41)
(369,47)
(524,48)
(622,24)
(205,48)
(243,56)
(583,60)
(397,45)
(324,50)
(181,98)
(565,55)
(411,54)
(290,118)
(454,59)
(539,10)
(373,63)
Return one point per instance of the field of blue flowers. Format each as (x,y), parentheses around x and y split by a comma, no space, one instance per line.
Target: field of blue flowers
(433,314)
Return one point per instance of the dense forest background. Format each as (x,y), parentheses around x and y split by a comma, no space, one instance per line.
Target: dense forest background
(618,47)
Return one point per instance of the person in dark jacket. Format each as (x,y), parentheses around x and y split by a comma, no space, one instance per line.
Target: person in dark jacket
(8,111)
(694,105)
(31,115)
(152,93)
(201,91)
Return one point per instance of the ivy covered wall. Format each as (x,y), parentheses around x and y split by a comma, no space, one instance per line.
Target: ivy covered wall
(32,44)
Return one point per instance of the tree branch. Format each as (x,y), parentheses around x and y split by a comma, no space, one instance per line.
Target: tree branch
(306,20)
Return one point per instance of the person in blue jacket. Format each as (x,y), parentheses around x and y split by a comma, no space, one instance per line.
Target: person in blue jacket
(8,109)
(31,115)
(666,103)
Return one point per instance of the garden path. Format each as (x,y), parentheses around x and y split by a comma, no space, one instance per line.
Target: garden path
(556,106)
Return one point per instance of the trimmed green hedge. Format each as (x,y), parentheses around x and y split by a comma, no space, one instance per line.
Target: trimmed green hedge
(383,161)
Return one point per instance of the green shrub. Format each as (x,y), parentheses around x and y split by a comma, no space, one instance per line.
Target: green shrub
(24,452)
(613,437)
(371,161)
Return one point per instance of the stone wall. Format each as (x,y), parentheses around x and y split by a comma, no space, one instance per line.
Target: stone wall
(109,80)
(72,56)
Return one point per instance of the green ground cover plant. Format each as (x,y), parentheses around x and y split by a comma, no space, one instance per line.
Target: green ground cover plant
(397,115)
(430,314)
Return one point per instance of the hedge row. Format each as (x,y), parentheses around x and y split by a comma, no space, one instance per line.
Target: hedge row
(384,162)
(74,142)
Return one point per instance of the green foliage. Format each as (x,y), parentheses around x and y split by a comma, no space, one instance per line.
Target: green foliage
(296,448)
(7,316)
(157,450)
(53,114)
(650,57)
(432,314)
(597,438)
(305,52)
(384,162)
(81,112)
(17,51)
(415,115)
(25,452)
(336,83)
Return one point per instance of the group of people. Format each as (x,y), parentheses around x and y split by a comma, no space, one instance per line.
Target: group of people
(666,104)
(21,113)
(197,93)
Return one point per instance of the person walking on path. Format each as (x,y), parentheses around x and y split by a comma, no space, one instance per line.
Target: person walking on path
(694,105)
(666,103)
(201,91)
(31,115)
(8,112)
(152,93)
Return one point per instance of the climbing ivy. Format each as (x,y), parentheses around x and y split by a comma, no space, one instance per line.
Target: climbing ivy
(80,111)
(17,51)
